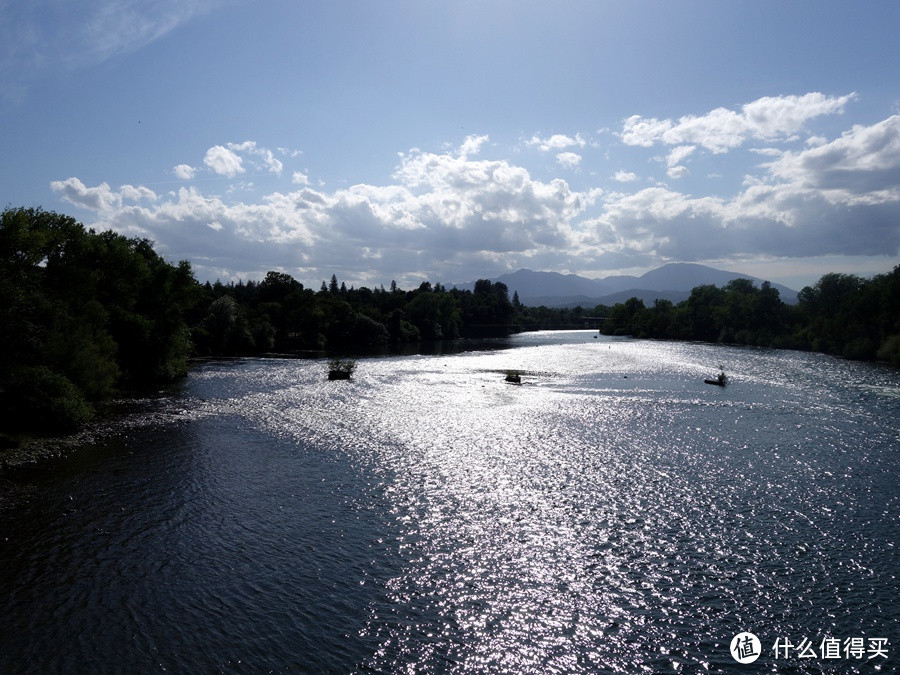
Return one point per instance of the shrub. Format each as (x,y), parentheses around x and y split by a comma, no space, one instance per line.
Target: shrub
(341,369)
(38,398)
(890,350)
(860,349)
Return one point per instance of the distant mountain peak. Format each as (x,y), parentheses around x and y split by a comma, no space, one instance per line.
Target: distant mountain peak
(672,281)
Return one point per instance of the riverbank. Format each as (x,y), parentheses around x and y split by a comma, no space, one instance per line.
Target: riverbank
(22,450)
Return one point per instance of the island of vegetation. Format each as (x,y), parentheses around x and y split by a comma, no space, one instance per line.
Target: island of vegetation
(88,316)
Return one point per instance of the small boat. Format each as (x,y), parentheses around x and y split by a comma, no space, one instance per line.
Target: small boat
(721,380)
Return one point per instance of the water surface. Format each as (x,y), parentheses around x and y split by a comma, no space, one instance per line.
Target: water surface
(611,514)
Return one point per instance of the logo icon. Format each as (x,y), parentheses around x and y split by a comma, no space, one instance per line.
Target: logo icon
(745,647)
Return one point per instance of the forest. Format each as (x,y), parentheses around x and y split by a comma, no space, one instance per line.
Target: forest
(87,316)
(842,314)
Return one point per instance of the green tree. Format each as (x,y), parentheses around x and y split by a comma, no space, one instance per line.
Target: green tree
(702,315)
(628,318)
(88,313)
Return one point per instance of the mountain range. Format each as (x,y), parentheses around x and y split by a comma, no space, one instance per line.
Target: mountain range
(673,281)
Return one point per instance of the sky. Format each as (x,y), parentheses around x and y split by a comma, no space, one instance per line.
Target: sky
(450,141)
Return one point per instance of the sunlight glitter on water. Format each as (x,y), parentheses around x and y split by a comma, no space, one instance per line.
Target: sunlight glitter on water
(610,514)
(606,513)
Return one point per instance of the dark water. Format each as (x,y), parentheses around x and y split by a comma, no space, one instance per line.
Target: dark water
(612,514)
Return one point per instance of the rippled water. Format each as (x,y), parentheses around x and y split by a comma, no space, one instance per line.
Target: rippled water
(611,514)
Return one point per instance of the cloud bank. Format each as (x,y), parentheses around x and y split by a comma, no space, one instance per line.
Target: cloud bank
(720,130)
(456,215)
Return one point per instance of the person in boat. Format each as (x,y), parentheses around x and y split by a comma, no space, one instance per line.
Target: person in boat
(721,379)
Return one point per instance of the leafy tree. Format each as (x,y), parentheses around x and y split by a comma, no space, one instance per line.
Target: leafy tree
(629,318)
(85,314)
(487,310)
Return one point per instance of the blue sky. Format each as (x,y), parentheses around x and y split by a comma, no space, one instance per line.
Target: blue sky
(450,141)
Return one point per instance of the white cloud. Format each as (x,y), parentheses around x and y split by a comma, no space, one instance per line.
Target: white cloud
(137,194)
(637,130)
(272,165)
(246,146)
(775,117)
(840,198)
(472,145)
(266,157)
(557,142)
(241,186)
(862,166)
(101,199)
(720,130)
(184,172)
(679,154)
(623,176)
(677,172)
(570,160)
(447,206)
(223,161)
(453,216)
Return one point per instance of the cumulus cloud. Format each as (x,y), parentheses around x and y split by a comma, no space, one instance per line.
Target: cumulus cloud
(453,215)
(137,194)
(570,160)
(720,130)
(266,158)
(674,161)
(679,154)
(184,172)
(472,145)
(223,161)
(862,166)
(764,221)
(837,198)
(557,142)
(232,159)
(623,176)
(467,211)
(101,199)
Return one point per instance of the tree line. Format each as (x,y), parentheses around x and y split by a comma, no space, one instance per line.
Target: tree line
(842,314)
(86,316)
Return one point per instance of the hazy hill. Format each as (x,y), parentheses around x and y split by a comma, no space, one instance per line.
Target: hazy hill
(670,282)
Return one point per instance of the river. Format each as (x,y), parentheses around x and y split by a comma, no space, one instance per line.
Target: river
(612,513)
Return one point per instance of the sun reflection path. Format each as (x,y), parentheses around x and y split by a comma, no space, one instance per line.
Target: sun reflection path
(518,500)
(611,514)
